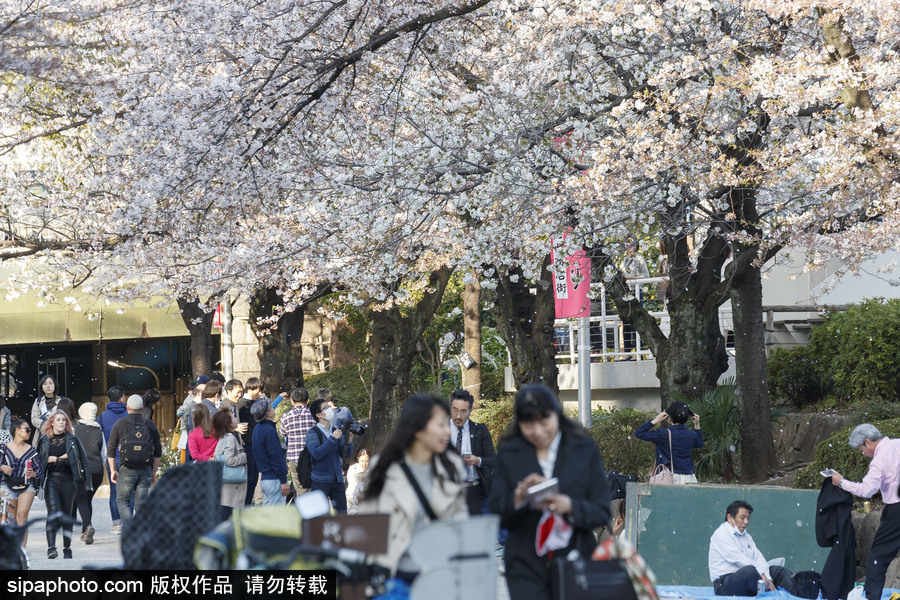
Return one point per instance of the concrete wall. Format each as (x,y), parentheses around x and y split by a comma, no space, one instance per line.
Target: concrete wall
(317,331)
(671,526)
(626,383)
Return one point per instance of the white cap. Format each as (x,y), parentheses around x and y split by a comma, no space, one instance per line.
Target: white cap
(135,402)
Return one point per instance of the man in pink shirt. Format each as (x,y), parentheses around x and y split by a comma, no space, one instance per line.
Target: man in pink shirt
(883,475)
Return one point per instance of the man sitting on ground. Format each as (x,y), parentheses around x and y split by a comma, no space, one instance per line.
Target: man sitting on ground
(735,564)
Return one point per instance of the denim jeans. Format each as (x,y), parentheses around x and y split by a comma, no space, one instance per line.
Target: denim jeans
(336,492)
(113,507)
(131,480)
(271,491)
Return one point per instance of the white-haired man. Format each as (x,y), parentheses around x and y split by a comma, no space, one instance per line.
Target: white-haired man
(883,475)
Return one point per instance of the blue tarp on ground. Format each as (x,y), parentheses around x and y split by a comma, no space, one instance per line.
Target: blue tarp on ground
(706,593)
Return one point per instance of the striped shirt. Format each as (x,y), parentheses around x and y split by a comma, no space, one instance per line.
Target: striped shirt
(294,425)
(18,464)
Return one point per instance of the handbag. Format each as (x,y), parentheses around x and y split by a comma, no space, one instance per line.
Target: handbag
(663,473)
(642,579)
(176,436)
(584,579)
(16,484)
(236,474)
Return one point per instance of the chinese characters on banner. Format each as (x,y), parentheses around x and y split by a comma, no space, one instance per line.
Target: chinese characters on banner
(572,282)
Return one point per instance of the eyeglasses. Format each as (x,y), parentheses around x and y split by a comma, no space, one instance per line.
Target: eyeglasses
(26,429)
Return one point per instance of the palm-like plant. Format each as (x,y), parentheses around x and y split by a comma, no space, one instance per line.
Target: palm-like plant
(717,408)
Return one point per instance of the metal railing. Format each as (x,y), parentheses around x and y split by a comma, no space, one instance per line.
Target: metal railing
(612,338)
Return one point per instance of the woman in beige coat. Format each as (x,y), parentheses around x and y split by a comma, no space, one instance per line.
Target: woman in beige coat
(416,455)
(234,455)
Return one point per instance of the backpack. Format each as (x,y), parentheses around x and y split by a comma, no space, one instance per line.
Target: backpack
(305,463)
(807,584)
(136,445)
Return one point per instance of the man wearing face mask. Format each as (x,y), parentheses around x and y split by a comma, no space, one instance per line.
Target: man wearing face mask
(325,448)
(735,563)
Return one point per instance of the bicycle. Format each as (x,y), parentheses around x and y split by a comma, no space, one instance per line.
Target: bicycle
(13,557)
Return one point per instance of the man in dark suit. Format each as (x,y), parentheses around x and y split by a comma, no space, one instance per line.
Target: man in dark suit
(473,441)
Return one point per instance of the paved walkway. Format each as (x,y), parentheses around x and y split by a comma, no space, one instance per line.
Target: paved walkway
(105,552)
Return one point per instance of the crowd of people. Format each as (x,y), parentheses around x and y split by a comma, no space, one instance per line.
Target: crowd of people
(437,464)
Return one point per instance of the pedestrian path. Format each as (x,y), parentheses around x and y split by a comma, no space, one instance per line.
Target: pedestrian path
(104,553)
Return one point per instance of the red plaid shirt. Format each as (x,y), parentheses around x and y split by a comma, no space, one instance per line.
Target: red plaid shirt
(294,425)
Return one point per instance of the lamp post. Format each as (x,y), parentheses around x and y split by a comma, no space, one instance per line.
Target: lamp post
(120,365)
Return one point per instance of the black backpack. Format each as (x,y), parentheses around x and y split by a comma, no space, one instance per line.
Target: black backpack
(807,584)
(305,463)
(136,444)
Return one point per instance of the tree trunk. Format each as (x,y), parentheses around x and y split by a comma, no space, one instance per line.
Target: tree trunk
(393,342)
(280,350)
(691,358)
(752,389)
(471,378)
(525,322)
(199,324)
(694,357)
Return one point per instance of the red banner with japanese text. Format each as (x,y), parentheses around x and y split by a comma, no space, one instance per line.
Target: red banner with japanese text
(571,285)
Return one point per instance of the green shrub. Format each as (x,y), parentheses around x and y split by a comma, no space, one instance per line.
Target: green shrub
(859,350)
(794,376)
(835,453)
(497,414)
(869,411)
(613,430)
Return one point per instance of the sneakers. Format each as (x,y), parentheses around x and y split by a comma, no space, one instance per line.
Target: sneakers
(51,552)
(67,553)
(88,536)
(116,529)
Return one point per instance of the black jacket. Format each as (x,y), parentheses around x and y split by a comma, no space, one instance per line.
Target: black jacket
(582,477)
(482,446)
(834,528)
(77,459)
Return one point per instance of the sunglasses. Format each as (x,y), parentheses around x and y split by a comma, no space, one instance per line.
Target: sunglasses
(25,428)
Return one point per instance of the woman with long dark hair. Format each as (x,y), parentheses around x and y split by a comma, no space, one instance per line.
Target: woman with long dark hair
(415,456)
(201,442)
(541,444)
(44,404)
(66,467)
(20,471)
(228,444)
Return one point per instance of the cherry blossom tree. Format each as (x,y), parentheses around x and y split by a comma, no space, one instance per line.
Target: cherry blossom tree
(373,146)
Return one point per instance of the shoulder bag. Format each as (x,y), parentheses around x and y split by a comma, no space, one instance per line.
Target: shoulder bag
(663,473)
(16,484)
(415,484)
(236,474)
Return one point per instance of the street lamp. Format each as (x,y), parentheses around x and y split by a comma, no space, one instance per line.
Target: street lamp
(120,365)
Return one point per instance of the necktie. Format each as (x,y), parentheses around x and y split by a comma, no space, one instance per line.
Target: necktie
(459,439)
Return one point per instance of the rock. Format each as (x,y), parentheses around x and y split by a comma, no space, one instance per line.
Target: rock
(866,525)
(797,434)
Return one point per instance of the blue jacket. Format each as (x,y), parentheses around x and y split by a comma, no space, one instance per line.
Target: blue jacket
(114,411)
(683,440)
(325,455)
(268,453)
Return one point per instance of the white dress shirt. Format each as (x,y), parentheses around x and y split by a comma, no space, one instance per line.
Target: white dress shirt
(729,550)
